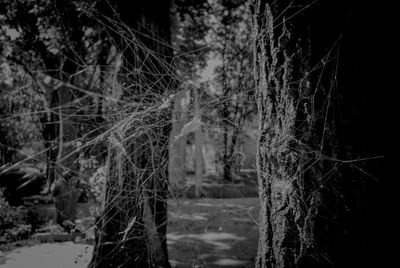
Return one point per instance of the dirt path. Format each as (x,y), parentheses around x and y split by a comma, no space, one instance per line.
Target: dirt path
(50,255)
(213,232)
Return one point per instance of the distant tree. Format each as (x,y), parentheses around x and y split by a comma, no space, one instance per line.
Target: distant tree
(231,41)
(217,32)
(21,101)
(61,53)
(189,29)
(46,40)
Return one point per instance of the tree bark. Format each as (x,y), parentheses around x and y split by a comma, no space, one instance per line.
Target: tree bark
(285,225)
(312,114)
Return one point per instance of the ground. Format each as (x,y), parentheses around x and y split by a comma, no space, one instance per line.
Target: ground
(50,255)
(203,232)
(213,232)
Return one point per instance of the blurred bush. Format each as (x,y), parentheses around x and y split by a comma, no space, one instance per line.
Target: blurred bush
(16,223)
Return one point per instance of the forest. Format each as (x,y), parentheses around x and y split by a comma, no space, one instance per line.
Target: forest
(193,133)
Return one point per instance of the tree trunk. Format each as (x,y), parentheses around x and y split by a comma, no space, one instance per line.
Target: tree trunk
(50,137)
(312,114)
(199,141)
(67,151)
(284,229)
(68,128)
(125,238)
(226,158)
(177,148)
